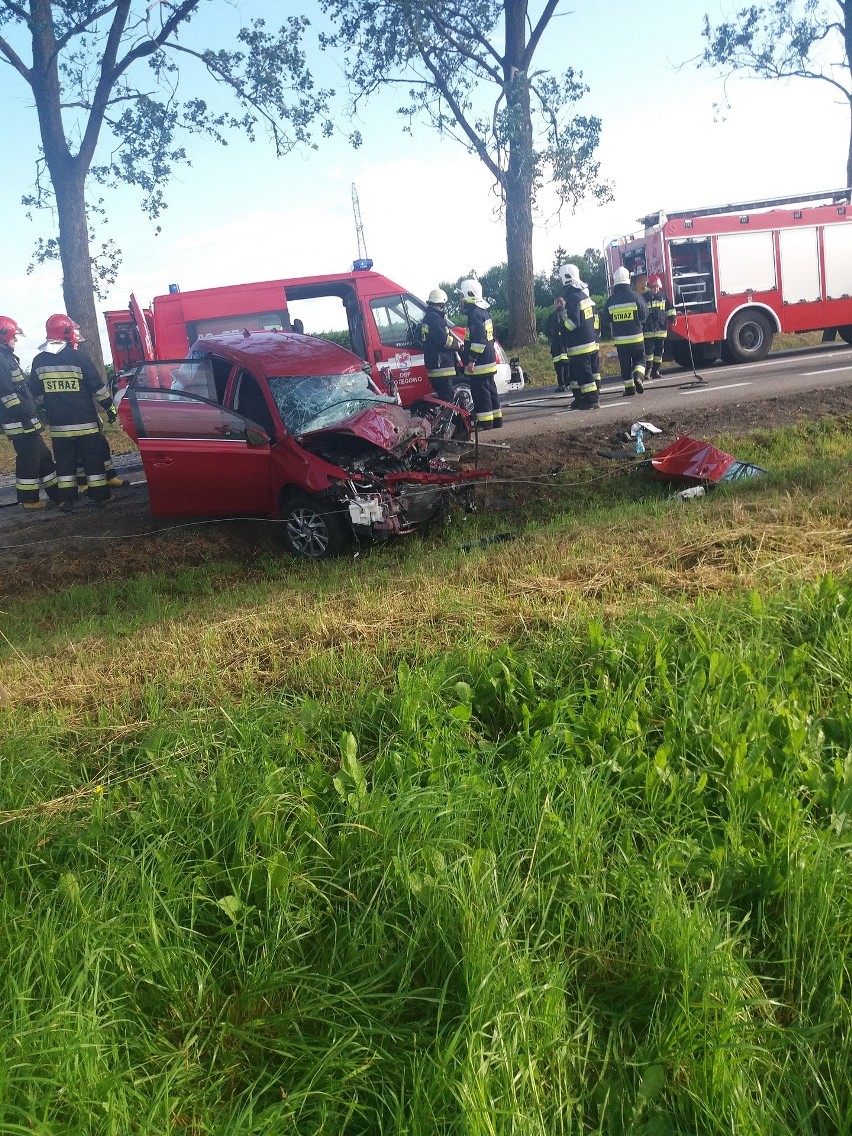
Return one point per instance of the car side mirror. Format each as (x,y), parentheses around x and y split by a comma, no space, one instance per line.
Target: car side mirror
(256,437)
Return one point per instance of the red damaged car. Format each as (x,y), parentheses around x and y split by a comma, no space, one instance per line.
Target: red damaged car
(288,426)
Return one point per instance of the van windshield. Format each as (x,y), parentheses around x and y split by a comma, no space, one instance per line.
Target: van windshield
(315,402)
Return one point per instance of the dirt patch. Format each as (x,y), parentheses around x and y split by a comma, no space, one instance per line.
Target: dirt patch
(45,551)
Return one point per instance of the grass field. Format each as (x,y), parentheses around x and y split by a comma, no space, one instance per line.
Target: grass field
(545,836)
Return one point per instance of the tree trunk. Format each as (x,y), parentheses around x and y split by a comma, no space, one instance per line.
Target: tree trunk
(519,232)
(518,182)
(78,285)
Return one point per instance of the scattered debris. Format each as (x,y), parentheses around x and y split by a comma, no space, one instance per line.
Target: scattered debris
(484,541)
(691,493)
(697,462)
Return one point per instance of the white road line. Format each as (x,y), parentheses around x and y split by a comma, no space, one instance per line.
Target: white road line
(716,387)
(824,371)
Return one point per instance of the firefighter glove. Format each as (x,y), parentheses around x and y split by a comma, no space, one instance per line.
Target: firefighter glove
(470,369)
(112,414)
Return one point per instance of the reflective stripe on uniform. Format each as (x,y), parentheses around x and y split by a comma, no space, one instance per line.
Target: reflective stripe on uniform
(485,369)
(638,338)
(583,349)
(10,400)
(74,429)
(442,373)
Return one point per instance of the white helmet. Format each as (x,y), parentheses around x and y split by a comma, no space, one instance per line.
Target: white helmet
(470,291)
(569,273)
(437,296)
(621,276)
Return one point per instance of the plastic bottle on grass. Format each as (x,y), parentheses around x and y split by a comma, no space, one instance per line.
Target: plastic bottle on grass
(640,444)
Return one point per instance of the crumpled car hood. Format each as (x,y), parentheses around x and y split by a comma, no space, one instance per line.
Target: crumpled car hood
(386,426)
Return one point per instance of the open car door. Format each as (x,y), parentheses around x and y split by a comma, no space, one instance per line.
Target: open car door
(200,459)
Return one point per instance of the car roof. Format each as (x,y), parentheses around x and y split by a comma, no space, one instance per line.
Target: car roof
(280,353)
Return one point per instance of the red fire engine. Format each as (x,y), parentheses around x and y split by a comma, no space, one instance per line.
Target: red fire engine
(740,273)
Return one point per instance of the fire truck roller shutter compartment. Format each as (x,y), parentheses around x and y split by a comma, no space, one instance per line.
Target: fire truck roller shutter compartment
(746,263)
(837,243)
(799,265)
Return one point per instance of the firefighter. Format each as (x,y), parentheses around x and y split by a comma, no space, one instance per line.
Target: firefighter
(69,385)
(555,331)
(479,358)
(34,466)
(625,313)
(440,345)
(581,339)
(661,316)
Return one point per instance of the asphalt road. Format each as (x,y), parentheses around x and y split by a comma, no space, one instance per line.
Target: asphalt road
(537,409)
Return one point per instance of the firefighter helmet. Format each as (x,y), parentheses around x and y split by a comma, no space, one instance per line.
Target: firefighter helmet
(654,282)
(437,296)
(60,326)
(621,276)
(8,329)
(470,291)
(569,274)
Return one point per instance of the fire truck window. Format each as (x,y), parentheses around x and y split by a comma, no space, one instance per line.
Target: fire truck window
(415,310)
(250,402)
(391,321)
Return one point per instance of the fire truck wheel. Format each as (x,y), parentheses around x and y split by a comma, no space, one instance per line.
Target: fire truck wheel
(311,528)
(845,333)
(749,337)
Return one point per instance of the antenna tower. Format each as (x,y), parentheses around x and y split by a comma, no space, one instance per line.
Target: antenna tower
(359,228)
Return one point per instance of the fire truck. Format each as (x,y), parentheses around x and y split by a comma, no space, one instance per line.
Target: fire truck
(382,321)
(740,273)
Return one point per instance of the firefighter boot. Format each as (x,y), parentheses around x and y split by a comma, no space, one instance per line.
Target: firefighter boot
(638,382)
(116,482)
(30,505)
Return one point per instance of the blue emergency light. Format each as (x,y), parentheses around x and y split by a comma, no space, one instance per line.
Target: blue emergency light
(362,265)
(174,289)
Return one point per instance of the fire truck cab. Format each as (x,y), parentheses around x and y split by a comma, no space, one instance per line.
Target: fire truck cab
(740,273)
(382,321)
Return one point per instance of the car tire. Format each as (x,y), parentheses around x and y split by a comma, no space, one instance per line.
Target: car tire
(845,333)
(313,529)
(749,337)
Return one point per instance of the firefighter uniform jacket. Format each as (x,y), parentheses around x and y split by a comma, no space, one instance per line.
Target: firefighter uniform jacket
(660,311)
(440,344)
(67,381)
(579,321)
(479,341)
(625,312)
(555,330)
(18,413)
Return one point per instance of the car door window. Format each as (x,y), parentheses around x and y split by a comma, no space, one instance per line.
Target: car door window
(170,414)
(250,402)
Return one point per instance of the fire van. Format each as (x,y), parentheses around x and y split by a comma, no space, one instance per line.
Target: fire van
(740,273)
(382,321)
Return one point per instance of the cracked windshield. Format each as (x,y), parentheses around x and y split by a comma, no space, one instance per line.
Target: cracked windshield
(319,401)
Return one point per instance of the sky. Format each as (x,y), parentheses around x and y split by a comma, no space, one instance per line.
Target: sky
(428,208)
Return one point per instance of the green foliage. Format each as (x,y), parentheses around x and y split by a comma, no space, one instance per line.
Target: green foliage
(785,39)
(135,114)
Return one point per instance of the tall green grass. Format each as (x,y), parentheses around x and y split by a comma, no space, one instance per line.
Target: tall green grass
(598,885)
